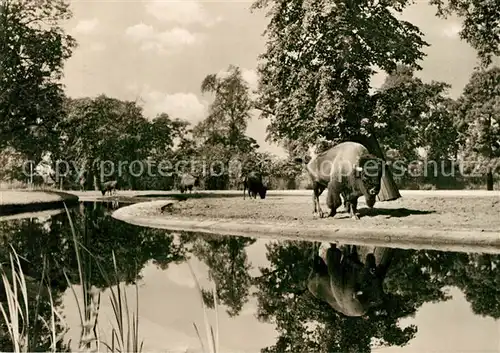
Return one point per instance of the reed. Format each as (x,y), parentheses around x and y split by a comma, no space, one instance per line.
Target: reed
(125,329)
(212,340)
(21,322)
(23,329)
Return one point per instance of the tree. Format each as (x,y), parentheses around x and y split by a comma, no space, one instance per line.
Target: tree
(412,114)
(105,130)
(479,108)
(221,135)
(481,25)
(33,49)
(230,110)
(315,74)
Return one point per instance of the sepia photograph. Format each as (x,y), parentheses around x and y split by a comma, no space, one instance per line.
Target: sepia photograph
(250,176)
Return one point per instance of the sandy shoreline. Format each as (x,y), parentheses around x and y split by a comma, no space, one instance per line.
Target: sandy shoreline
(452,224)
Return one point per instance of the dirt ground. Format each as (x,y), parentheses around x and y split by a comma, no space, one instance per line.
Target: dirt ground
(452,213)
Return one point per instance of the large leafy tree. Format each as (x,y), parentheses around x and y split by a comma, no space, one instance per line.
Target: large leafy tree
(479,108)
(105,129)
(315,73)
(221,135)
(33,49)
(230,111)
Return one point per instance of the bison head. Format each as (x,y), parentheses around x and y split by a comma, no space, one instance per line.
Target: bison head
(369,170)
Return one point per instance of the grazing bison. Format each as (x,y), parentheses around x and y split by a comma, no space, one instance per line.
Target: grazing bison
(253,182)
(347,169)
(187,182)
(350,278)
(109,186)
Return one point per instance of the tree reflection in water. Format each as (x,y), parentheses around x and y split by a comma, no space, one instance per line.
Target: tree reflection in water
(303,322)
(51,239)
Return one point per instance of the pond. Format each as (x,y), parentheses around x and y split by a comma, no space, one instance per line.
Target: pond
(433,301)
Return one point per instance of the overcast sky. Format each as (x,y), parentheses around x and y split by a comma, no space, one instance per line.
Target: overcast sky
(160,51)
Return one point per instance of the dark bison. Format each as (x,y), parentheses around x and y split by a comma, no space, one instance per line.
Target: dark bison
(347,169)
(350,278)
(187,182)
(253,182)
(109,186)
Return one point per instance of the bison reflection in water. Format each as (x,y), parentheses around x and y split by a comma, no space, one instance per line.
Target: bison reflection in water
(350,278)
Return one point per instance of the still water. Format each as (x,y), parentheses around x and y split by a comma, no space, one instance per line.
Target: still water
(433,301)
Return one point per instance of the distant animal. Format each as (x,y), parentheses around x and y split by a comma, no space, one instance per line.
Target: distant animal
(253,182)
(347,169)
(350,278)
(187,182)
(109,186)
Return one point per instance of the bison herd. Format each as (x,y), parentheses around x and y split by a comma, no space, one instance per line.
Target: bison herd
(346,170)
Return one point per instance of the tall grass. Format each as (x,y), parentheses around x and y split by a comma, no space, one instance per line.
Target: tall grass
(21,324)
(212,340)
(124,334)
(23,329)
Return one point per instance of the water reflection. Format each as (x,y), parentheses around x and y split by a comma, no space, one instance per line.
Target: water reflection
(306,296)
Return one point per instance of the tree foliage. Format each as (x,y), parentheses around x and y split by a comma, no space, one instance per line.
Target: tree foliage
(315,73)
(33,49)
(412,114)
(480,110)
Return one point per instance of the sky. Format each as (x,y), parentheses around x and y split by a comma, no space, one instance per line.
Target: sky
(158,52)
(169,304)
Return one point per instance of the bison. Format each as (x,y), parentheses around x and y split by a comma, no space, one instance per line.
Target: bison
(350,278)
(347,169)
(187,182)
(253,182)
(109,186)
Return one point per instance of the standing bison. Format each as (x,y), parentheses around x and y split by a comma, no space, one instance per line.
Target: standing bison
(350,278)
(253,182)
(347,169)
(109,186)
(187,182)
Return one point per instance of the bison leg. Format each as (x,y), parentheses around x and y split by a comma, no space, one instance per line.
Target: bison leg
(344,197)
(370,200)
(353,208)
(333,200)
(317,191)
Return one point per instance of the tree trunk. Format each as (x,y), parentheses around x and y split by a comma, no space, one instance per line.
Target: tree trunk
(389,190)
(489,180)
